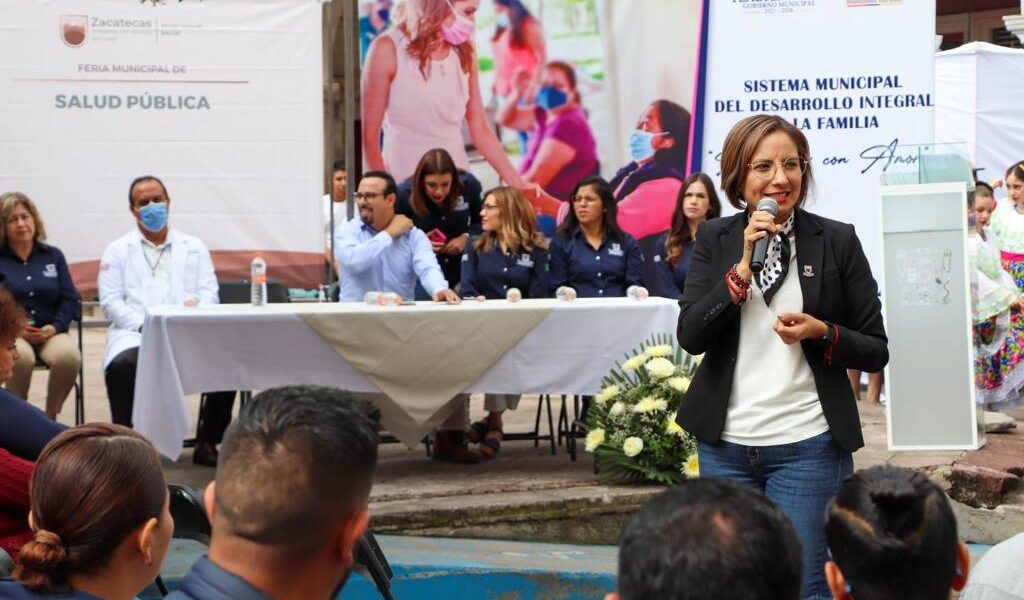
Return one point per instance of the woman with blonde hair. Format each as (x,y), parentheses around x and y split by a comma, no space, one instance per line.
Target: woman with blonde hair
(420,84)
(100,516)
(503,257)
(38,276)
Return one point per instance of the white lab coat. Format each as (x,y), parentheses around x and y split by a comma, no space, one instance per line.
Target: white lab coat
(123,269)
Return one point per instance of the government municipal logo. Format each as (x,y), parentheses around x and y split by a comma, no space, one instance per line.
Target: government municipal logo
(74,29)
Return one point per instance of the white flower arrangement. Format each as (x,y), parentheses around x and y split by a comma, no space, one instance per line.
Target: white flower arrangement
(608,392)
(632,446)
(634,363)
(634,437)
(650,404)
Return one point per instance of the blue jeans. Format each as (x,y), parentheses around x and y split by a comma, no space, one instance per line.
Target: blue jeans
(800,478)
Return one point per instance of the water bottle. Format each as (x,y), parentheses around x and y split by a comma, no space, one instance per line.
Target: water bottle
(258,277)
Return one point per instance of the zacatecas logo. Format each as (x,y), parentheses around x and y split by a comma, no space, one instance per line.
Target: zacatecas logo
(74,29)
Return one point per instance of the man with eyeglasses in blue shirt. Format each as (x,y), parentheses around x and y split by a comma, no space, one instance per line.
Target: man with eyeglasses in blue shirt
(382,251)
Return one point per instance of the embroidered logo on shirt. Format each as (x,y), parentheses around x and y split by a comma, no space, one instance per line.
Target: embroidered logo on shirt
(525,260)
(461,204)
(465,257)
(657,258)
(616,250)
(50,270)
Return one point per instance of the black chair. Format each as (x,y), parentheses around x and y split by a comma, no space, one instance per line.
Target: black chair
(80,382)
(544,400)
(192,523)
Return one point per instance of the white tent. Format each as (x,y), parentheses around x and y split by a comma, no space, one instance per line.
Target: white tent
(979,99)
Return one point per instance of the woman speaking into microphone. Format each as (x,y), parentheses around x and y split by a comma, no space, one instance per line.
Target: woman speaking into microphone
(771,404)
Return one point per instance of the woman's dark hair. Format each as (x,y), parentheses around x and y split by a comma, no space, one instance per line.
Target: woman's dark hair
(12,316)
(434,162)
(679,234)
(607,196)
(93,485)
(740,145)
(676,121)
(517,17)
(892,533)
(1017,170)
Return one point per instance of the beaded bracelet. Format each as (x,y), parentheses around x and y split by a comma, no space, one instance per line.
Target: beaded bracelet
(734,276)
(740,292)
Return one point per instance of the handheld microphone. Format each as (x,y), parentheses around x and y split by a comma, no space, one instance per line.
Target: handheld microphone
(761,246)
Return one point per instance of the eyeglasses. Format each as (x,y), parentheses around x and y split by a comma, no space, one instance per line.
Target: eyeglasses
(367,195)
(490,207)
(581,199)
(766,169)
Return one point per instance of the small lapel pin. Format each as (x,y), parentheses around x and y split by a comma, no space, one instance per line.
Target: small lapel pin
(808,271)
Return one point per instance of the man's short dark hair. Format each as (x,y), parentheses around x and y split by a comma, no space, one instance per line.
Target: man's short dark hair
(709,539)
(986,187)
(339,165)
(141,179)
(892,533)
(389,182)
(295,463)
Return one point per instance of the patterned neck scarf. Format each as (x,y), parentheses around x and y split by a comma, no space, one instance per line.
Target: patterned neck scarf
(776,263)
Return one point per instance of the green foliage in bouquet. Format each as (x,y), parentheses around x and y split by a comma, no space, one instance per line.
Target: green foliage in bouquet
(633,434)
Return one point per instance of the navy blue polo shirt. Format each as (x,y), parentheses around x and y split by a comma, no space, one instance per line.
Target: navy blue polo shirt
(42,285)
(207,581)
(603,273)
(465,218)
(673,279)
(12,589)
(491,274)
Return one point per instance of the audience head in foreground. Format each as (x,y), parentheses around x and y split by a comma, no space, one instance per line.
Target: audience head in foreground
(100,516)
(709,539)
(892,534)
(290,499)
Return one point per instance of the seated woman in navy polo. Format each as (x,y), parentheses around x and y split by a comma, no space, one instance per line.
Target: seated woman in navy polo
(445,204)
(697,203)
(589,252)
(503,257)
(37,274)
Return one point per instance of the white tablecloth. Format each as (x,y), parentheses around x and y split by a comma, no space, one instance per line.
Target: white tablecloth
(192,350)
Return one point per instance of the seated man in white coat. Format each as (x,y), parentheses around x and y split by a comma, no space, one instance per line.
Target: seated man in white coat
(153,265)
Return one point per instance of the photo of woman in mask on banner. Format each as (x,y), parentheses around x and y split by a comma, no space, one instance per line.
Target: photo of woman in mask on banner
(420,83)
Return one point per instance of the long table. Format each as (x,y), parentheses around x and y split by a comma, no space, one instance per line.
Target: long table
(414,358)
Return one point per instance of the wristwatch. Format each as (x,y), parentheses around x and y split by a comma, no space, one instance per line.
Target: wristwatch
(830,332)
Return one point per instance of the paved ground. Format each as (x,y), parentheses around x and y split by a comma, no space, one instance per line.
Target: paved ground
(414,494)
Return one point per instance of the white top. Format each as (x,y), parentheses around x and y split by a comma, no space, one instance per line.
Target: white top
(997,576)
(424,112)
(340,216)
(1008,224)
(774,400)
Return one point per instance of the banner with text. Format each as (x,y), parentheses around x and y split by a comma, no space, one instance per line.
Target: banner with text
(855,75)
(222,100)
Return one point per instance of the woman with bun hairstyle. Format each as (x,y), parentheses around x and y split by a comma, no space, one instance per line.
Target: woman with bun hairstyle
(99,513)
(892,535)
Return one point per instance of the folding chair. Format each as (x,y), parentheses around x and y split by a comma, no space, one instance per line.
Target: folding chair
(80,381)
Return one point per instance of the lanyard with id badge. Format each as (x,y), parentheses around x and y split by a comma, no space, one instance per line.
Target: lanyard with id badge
(155,290)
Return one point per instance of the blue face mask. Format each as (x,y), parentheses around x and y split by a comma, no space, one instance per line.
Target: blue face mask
(550,98)
(383,14)
(501,20)
(640,145)
(154,216)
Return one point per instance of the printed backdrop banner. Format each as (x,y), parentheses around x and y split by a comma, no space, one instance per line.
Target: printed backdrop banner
(222,100)
(855,75)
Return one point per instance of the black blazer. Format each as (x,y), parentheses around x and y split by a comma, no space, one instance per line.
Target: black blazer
(837,287)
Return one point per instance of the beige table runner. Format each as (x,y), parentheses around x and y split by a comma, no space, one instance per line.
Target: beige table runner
(421,359)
